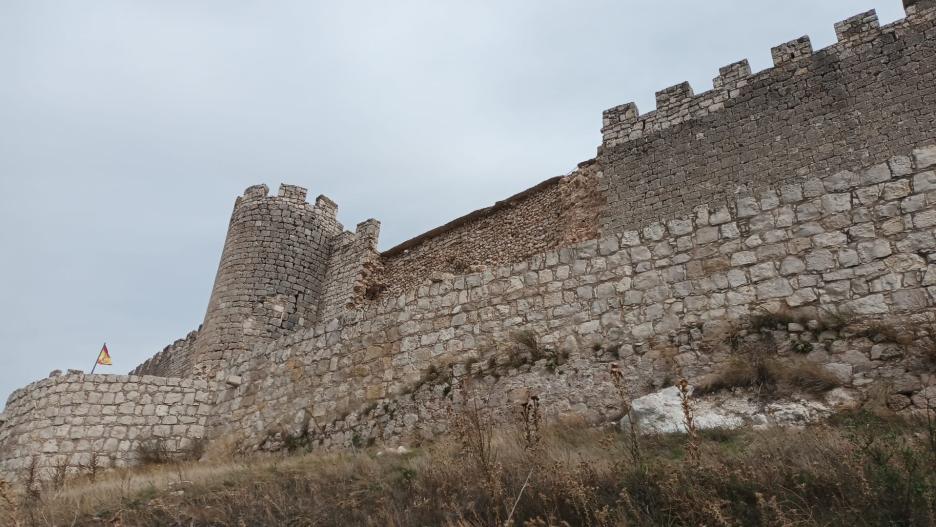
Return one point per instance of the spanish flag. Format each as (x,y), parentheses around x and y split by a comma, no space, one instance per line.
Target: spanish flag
(104,357)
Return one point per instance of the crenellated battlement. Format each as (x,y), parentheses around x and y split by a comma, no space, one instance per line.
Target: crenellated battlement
(732,76)
(813,112)
(679,103)
(913,7)
(792,51)
(857,28)
(292,192)
(368,230)
(326,206)
(293,196)
(256,191)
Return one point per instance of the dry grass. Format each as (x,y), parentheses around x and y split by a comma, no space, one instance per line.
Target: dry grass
(9,504)
(756,365)
(859,469)
(926,344)
(523,348)
(824,320)
(770,376)
(879,331)
(808,377)
(155,451)
(527,340)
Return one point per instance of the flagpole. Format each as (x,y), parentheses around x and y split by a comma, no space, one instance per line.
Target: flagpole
(96,359)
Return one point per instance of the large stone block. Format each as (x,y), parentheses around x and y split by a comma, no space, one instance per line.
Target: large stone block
(868,305)
(776,288)
(924,157)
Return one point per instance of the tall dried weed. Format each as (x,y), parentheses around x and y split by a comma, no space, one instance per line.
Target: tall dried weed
(756,366)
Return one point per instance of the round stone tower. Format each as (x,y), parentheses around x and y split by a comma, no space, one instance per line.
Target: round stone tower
(270,279)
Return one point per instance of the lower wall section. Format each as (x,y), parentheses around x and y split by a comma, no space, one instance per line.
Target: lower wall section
(856,245)
(890,360)
(64,421)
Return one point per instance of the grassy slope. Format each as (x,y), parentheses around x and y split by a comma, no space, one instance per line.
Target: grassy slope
(858,469)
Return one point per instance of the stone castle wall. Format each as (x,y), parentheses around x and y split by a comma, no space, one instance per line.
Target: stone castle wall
(175,360)
(808,187)
(870,96)
(859,244)
(68,419)
(286,266)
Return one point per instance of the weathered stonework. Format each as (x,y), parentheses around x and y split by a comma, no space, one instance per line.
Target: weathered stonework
(64,420)
(556,213)
(175,360)
(868,97)
(352,268)
(808,188)
(272,273)
(860,244)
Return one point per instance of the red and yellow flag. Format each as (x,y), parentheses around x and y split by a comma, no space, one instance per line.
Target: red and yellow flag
(104,357)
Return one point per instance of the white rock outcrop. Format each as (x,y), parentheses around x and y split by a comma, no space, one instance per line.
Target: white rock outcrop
(661,412)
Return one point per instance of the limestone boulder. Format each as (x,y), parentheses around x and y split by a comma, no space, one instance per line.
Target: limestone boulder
(662,412)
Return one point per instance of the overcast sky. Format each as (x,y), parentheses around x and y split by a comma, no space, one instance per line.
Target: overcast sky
(127,128)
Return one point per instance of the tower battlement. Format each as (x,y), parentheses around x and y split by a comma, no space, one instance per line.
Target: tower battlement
(272,273)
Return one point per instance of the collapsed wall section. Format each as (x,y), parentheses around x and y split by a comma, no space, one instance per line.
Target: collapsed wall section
(353,264)
(867,97)
(175,360)
(76,421)
(272,273)
(858,244)
(557,212)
